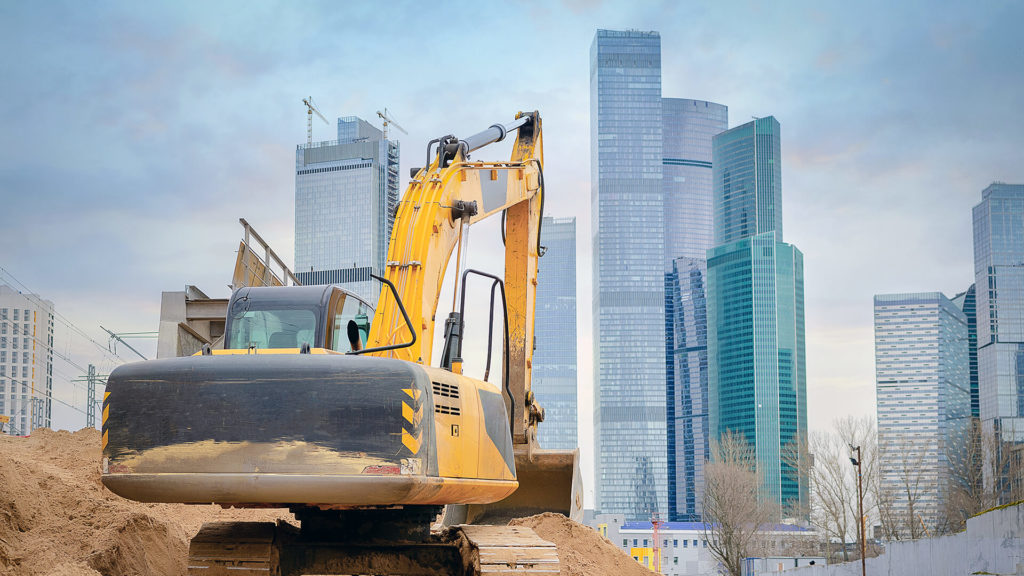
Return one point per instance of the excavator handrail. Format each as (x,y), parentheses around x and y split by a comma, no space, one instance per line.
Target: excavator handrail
(499,283)
(401,308)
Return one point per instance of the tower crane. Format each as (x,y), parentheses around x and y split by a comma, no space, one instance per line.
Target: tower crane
(388,120)
(311,108)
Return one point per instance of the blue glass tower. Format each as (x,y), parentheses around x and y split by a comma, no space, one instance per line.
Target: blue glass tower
(554,362)
(627,208)
(755,306)
(688,128)
(999,278)
(346,191)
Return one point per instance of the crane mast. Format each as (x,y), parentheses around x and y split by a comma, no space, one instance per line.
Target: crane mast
(310,109)
(387,121)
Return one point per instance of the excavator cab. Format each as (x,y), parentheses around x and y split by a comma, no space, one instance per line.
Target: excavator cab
(326,317)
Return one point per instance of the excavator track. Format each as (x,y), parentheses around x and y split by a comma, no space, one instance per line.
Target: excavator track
(268,549)
(235,548)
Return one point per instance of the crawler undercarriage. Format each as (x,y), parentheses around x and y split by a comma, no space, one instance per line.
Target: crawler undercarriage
(396,542)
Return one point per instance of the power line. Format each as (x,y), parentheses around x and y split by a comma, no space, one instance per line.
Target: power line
(44,395)
(28,293)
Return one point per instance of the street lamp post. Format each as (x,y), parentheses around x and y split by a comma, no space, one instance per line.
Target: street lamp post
(860,507)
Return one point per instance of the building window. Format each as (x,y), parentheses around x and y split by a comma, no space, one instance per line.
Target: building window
(675,560)
(634,542)
(665,544)
(625,543)
(675,543)
(15,314)
(686,543)
(645,542)
(705,543)
(694,543)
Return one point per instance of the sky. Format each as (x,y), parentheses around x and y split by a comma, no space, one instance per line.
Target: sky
(134,135)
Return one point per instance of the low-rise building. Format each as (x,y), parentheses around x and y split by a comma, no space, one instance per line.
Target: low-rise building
(681,548)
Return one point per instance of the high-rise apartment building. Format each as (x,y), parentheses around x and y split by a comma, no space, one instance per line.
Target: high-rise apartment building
(999,279)
(26,361)
(554,362)
(627,207)
(755,305)
(346,191)
(967,302)
(687,132)
(924,402)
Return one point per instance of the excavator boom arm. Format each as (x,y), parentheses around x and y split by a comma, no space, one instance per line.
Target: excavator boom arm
(450,193)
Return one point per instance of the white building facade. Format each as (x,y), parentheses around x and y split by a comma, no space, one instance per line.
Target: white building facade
(26,361)
(924,401)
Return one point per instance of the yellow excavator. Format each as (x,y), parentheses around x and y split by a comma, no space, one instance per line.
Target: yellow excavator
(314,407)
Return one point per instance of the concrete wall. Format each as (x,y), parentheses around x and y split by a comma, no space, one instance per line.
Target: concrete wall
(992,544)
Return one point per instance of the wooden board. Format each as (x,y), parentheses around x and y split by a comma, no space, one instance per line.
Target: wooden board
(512,551)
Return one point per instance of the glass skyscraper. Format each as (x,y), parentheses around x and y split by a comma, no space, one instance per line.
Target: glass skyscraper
(999,278)
(554,362)
(755,306)
(687,131)
(628,211)
(346,191)
(967,302)
(924,401)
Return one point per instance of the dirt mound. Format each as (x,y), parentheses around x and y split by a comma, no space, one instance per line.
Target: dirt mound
(56,518)
(582,551)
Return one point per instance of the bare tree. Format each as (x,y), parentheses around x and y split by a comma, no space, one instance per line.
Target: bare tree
(734,517)
(968,492)
(907,480)
(833,481)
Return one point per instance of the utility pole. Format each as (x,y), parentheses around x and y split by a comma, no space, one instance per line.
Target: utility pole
(860,507)
(90,403)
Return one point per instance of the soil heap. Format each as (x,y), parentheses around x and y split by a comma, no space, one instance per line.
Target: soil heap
(582,551)
(57,518)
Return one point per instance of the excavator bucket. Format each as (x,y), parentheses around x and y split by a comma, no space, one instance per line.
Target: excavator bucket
(549,481)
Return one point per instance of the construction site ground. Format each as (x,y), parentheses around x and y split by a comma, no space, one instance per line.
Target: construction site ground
(56,518)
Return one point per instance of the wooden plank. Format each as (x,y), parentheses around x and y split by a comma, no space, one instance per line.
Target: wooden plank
(504,536)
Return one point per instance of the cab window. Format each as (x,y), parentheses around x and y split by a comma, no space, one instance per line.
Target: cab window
(351,324)
(277,328)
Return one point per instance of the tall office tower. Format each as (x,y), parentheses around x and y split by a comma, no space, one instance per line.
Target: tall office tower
(627,208)
(757,383)
(554,362)
(26,360)
(687,130)
(999,277)
(967,302)
(346,191)
(924,401)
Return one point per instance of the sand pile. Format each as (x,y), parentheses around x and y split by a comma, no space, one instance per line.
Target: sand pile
(57,519)
(582,551)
